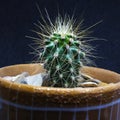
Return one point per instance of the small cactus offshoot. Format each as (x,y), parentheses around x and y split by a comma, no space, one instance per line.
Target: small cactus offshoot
(63,50)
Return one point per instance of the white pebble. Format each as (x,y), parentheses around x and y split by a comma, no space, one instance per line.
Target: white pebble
(17,79)
(25,78)
(35,80)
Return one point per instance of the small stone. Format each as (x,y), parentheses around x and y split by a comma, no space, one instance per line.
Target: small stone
(35,80)
(87,81)
(17,79)
(25,78)
(88,84)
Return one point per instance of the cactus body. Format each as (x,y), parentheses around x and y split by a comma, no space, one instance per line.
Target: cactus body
(63,52)
(63,60)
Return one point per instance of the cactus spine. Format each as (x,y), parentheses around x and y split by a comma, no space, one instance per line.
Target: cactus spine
(63,52)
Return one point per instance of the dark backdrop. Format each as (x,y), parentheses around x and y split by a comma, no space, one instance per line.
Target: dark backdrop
(17,18)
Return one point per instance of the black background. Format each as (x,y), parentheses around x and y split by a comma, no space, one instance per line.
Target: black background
(17,18)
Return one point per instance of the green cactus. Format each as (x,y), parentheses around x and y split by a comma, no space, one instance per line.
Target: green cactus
(63,59)
(63,52)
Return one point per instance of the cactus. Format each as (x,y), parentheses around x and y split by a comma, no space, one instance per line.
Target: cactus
(63,52)
(63,59)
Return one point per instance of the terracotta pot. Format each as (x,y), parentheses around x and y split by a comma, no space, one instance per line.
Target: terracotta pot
(24,102)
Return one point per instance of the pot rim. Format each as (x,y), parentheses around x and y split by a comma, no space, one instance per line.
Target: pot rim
(56,90)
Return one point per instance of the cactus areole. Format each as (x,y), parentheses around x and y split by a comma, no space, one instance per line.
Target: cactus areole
(63,52)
